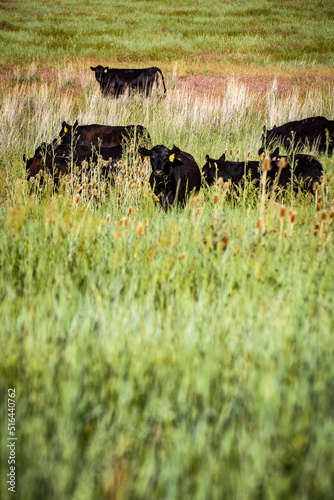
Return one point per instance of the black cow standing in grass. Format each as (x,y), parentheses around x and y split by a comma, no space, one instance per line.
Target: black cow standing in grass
(175,174)
(313,132)
(105,135)
(307,170)
(115,81)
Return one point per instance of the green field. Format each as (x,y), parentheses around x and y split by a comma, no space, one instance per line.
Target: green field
(185,354)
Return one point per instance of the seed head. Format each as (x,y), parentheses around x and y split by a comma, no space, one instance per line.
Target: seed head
(197,201)
(78,187)
(316,186)
(226,186)
(182,257)
(259,223)
(77,198)
(215,198)
(231,152)
(282,163)
(32,180)
(237,158)
(94,192)
(266,164)
(220,181)
(282,211)
(130,210)
(108,218)
(137,211)
(198,211)
(292,216)
(323,215)
(331,214)
(140,228)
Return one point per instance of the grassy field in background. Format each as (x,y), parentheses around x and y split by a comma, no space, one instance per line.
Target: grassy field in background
(165,355)
(202,35)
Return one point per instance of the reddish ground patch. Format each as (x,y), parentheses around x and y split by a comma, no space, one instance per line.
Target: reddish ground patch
(213,85)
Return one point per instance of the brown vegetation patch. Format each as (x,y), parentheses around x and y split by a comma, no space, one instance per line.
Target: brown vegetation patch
(215,85)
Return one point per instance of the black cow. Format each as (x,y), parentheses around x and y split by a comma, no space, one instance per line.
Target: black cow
(174,175)
(114,81)
(229,170)
(104,135)
(58,160)
(306,170)
(313,132)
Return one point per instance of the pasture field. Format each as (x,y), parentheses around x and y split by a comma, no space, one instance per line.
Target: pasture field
(165,355)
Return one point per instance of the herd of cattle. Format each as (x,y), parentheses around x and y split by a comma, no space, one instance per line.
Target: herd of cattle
(175,173)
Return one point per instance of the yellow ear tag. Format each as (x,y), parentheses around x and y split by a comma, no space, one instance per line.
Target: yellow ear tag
(65,129)
(210,166)
(171,158)
(262,157)
(106,70)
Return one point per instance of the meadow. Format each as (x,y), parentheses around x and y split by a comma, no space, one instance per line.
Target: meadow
(163,355)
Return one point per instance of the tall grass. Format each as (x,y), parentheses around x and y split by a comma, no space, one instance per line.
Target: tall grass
(180,354)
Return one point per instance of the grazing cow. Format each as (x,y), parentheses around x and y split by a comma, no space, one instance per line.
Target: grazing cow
(306,170)
(313,132)
(174,175)
(103,135)
(229,170)
(115,81)
(57,160)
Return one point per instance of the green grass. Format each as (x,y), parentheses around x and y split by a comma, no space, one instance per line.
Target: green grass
(259,32)
(164,355)
(192,360)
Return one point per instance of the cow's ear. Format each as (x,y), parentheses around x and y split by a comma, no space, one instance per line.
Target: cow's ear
(207,158)
(144,151)
(222,158)
(173,152)
(93,69)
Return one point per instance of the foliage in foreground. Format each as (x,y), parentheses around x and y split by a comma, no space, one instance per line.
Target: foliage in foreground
(180,354)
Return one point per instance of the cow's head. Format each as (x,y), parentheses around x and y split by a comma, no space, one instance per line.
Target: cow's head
(162,159)
(100,71)
(67,132)
(212,167)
